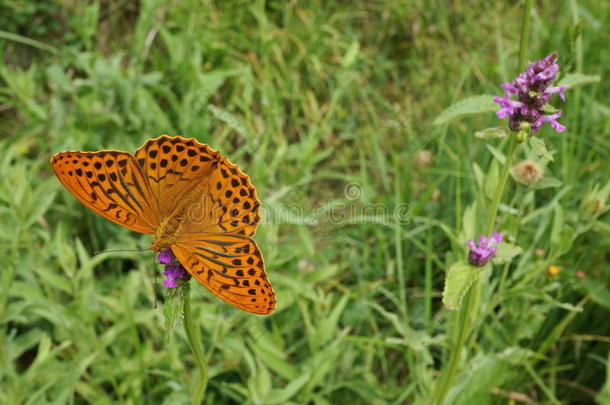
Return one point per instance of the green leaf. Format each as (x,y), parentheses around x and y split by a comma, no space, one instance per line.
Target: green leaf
(569,307)
(558,221)
(273,357)
(460,277)
(600,293)
(538,146)
(506,252)
(562,235)
(604,394)
(467,106)
(564,241)
(469,221)
(497,154)
(281,396)
(480,376)
(351,55)
(229,119)
(547,182)
(260,383)
(172,308)
(491,133)
(491,180)
(478,175)
(329,325)
(578,79)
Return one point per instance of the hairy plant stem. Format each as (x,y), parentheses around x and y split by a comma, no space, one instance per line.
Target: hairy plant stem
(197,350)
(493,210)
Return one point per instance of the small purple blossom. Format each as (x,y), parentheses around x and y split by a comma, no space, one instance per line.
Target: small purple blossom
(166,257)
(173,269)
(533,92)
(485,250)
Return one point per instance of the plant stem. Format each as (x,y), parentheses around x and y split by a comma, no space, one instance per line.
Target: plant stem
(493,210)
(466,309)
(191,335)
(428,282)
(457,349)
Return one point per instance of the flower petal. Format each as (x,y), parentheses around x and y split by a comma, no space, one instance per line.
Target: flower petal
(166,257)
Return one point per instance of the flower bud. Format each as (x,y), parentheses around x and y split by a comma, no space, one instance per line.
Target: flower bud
(483,251)
(594,204)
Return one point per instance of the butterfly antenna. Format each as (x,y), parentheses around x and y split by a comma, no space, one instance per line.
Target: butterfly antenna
(119,250)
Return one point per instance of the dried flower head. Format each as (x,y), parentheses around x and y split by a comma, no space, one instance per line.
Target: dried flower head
(528,172)
(436,195)
(532,90)
(484,250)
(423,158)
(173,269)
(305,266)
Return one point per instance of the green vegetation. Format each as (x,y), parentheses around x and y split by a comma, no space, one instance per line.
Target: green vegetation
(371,183)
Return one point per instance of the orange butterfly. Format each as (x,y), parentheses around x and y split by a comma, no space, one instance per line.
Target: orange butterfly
(191,199)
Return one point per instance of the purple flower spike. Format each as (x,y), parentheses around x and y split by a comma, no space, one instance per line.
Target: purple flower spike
(173,269)
(557,89)
(484,250)
(532,91)
(166,257)
(174,272)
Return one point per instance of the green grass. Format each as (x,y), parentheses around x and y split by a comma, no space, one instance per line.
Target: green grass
(313,100)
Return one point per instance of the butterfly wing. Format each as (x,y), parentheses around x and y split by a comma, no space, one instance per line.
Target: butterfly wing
(228,203)
(174,167)
(219,196)
(111,184)
(230,266)
(222,212)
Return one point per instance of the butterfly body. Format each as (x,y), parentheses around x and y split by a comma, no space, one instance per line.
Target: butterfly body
(167,232)
(191,199)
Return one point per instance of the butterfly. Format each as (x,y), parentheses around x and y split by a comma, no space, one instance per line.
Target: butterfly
(191,199)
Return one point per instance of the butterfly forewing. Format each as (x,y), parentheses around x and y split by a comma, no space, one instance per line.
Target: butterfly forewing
(111,184)
(174,167)
(228,204)
(230,266)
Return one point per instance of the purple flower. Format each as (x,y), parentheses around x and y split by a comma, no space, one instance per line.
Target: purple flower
(173,269)
(484,251)
(166,257)
(532,92)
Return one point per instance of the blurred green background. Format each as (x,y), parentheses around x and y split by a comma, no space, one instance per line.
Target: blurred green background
(329,107)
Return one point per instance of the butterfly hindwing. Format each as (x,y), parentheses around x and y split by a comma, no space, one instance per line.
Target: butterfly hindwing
(230,266)
(111,184)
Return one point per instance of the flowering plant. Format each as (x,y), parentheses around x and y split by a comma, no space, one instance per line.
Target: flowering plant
(533,91)
(173,269)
